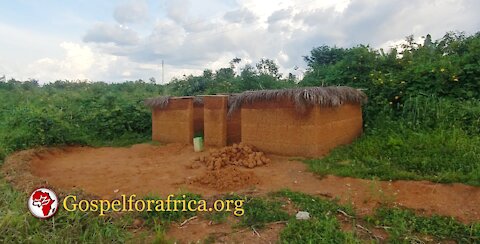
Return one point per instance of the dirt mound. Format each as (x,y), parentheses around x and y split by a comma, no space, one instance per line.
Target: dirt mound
(223,167)
(237,155)
(229,178)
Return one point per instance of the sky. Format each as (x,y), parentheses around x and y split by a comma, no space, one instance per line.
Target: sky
(115,41)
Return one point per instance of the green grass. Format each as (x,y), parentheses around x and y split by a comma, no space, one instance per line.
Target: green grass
(402,225)
(17,225)
(217,217)
(315,230)
(164,218)
(314,205)
(439,156)
(392,150)
(259,211)
(405,226)
(322,227)
(425,138)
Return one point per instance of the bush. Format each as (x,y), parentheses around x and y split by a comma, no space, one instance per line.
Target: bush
(429,138)
(29,127)
(74,113)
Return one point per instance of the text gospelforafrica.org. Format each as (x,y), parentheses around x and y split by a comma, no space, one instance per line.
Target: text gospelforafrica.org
(131,204)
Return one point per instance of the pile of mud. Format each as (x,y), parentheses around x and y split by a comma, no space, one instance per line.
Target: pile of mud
(236,155)
(229,178)
(223,167)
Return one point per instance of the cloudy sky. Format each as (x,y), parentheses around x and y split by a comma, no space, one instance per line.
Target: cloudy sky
(116,41)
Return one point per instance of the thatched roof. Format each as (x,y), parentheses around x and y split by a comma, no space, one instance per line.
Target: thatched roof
(331,96)
(162,101)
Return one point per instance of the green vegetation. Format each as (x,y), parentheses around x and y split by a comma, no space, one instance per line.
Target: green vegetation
(439,156)
(315,231)
(422,121)
(152,218)
(73,113)
(322,227)
(446,68)
(18,226)
(405,226)
(402,226)
(433,138)
(217,217)
(260,211)
(314,205)
(265,75)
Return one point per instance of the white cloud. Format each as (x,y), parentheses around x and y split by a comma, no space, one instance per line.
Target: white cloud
(82,62)
(189,37)
(131,12)
(178,10)
(19,46)
(111,33)
(166,36)
(240,16)
(78,62)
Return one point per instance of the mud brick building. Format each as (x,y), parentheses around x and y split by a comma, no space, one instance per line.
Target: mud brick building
(176,119)
(296,122)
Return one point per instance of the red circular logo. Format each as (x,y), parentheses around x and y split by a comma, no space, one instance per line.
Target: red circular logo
(43,203)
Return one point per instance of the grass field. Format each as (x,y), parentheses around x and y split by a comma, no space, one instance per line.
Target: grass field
(421,123)
(432,139)
(438,156)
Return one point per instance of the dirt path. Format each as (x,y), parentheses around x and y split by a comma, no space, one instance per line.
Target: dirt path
(161,170)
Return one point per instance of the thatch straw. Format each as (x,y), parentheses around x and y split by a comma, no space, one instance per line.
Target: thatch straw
(157,102)
(162,101)
(331,96)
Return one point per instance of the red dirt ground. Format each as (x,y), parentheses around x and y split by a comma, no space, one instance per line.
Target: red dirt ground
(161,170)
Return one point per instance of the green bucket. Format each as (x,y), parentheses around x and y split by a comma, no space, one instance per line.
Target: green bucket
(198,144)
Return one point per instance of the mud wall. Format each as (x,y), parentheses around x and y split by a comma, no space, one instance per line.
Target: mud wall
(234,127)
(175,123)
(198,119)
(278,128)
(215,120)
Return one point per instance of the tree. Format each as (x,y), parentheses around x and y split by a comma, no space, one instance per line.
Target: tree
(234,62)
(248,79)
(324,55)
(268,67)
(208,74)
(428,41)
(224,74)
